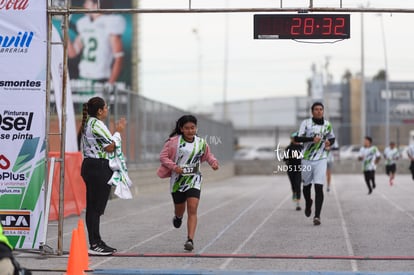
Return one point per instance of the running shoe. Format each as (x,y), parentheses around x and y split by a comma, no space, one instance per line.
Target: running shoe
(189,245)
(177,221)
(316,221)
(308,208)
(100,250)
(102,243)
(298,208)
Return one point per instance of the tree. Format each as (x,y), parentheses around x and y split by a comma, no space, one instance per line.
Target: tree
(347,76)
(381,75)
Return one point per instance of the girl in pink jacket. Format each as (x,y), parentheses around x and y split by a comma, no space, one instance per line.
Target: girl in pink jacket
(180,160)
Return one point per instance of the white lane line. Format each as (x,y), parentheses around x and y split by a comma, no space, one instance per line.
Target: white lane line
(345,231)
(108,221)
(399,208)
(265,220)
(220,234)
(115,219)
(224,230)
(167,231)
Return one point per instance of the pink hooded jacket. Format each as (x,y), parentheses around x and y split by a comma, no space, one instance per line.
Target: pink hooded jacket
(168,153)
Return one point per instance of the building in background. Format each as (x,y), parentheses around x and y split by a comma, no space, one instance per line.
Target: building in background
(269,121)
(258,122)
(401,111)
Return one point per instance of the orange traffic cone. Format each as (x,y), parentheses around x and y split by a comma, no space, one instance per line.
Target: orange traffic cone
(83,245)
(75,262)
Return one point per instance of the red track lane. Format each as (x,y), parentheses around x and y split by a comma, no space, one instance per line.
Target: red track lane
(262,256)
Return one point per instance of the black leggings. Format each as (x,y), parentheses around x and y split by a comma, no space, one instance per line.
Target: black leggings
(412,169)
(96,174)
(318,197)
(370,177)
(295,179)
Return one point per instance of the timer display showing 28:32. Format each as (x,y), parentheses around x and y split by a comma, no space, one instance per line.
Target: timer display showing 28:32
(306,26)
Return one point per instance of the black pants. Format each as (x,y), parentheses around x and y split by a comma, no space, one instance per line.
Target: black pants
(295,178)
(370,177)
(96,174)
(318,197)
(412,168)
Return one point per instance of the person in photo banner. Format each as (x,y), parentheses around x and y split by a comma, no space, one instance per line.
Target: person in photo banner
(180,160)
(96,143)
(99,43)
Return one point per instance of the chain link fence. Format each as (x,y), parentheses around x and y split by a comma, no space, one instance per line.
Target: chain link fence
(149,124)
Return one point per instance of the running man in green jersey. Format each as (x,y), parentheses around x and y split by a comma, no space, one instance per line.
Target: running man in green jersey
(317,136)
(370,156)
(391,155)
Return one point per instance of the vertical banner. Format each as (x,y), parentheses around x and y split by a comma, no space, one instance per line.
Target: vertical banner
(23,58)
(56,70)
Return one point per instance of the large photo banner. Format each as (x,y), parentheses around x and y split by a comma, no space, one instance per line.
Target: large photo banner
(23,55)
(99,50)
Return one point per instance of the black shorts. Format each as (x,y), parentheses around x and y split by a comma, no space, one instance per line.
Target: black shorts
(181,197)
(390,168)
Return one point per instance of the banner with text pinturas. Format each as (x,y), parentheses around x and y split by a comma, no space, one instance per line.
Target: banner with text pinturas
(23,55)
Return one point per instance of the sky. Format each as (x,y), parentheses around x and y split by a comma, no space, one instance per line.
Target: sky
(192,61)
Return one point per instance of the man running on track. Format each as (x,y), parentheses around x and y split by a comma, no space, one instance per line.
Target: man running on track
(317,136)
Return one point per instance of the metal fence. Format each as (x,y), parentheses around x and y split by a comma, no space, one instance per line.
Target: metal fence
(149,124)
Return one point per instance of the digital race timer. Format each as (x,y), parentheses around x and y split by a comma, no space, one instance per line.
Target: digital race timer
(301,26)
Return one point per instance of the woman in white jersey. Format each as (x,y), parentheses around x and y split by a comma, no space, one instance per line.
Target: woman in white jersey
(99,41)
(96,142)
(180,160)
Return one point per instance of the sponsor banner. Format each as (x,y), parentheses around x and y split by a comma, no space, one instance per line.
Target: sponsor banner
(23,40)
(22,170)
(16,222)
(23,52)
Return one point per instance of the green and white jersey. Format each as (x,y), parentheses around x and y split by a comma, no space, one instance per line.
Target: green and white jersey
(391,155)
(3,239)
(95,138)
(369,155)
(188,157)
(97,56)
(311,150)
(410,151)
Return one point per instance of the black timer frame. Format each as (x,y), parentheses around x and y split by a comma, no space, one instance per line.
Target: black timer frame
(301,26)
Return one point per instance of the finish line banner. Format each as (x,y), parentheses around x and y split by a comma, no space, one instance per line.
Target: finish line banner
(23,55)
